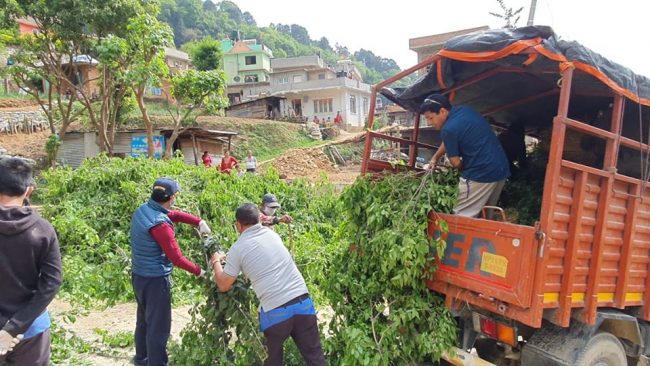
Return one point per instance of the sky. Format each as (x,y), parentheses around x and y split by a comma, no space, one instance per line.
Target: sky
(618,30)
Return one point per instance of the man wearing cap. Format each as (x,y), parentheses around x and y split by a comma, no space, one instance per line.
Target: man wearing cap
(268,208)
(473,148)
(286,307)
(154,253)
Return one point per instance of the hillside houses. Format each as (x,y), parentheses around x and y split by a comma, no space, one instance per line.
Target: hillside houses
(300,88)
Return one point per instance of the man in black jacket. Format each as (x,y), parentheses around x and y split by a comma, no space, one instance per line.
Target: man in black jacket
(30,270)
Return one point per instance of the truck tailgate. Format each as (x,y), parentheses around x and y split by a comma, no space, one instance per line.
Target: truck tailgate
(491,258)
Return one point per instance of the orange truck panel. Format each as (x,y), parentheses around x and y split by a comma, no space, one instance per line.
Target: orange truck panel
(495,259)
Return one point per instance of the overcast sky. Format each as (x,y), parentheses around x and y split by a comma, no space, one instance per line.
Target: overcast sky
(619,30)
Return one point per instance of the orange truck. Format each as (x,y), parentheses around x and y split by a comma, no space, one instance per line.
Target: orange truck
(572,288)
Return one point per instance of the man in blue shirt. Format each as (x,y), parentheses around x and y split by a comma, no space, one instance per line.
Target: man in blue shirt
(473,148)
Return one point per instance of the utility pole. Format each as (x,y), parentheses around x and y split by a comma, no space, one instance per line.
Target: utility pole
(531,12)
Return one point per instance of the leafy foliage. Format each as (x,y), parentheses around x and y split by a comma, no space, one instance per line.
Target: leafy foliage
(384,314)
(364,254)
(206,54)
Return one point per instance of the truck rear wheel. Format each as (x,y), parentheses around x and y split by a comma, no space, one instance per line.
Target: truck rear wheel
(603,349)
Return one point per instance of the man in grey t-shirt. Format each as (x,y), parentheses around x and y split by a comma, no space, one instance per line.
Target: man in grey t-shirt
(287,310)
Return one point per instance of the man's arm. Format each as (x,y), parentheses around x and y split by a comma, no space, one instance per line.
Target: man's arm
(266,220)
(223,280)
(163,234)
(185,218)
(438,154)
(456,162)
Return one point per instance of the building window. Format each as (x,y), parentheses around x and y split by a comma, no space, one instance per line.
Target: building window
(353,104)
(323,105)
(321,76)
(297,78)
(250,60)
(284,80)
(365,105)
(250,79)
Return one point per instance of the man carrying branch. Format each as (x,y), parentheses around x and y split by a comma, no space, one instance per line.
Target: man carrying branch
(473,148)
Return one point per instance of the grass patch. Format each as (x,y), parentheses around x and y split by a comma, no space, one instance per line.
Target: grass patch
(266,139)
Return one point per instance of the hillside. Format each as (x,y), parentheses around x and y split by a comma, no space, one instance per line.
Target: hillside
(267,139)
(192,20)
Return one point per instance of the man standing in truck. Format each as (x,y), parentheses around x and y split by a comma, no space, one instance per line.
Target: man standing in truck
(473,148)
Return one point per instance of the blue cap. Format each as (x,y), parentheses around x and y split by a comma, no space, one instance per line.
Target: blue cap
(270,200)
(164,188)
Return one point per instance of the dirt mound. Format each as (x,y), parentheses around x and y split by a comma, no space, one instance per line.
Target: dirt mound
(299,163)
(28,145)
(17,103)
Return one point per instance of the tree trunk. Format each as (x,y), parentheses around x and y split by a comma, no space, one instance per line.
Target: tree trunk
(170,143)
(139,93)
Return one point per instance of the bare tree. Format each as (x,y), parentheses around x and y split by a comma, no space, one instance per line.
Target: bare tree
(508,14)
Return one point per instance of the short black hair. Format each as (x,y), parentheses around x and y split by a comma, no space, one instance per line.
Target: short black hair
(16,176)
(247,214)
(434,103)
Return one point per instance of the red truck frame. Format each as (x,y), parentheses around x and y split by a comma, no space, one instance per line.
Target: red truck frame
(586,262)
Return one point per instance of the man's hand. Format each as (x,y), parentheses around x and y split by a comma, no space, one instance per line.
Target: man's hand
(7,342)
(286,219)
(217,258)
(202,274)
(204,229)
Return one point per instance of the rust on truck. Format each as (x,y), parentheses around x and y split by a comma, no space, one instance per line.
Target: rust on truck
(591,246)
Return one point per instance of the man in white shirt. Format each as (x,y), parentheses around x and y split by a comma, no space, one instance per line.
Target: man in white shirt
(287,310)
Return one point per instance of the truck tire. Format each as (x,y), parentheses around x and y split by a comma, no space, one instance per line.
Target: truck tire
(603,349)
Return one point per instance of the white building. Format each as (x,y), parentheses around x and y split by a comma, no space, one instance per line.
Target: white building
(312,88)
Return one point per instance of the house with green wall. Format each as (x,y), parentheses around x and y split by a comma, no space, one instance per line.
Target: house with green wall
(247,65)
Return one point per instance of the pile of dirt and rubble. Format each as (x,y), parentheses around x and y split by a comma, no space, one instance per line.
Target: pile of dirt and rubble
(299,163)
(17,103)
(28,145)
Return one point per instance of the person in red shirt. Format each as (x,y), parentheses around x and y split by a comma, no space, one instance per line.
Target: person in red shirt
(207,159)
(228,163)
(338,120)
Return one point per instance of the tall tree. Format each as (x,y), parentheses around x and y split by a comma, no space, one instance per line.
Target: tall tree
(324,43)
(248,19)
(232,9)
(206,54)
(194,91)
(300,34)
(147,37)
(74,36)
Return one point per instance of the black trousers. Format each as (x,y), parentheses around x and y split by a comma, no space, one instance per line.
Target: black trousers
(154,319)
(31,352)
(304,331)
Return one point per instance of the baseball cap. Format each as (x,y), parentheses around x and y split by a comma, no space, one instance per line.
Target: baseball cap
(437,99)
(164,188)
(270,200)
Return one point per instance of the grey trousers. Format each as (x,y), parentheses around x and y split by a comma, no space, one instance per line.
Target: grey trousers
(472,196)
(31,352)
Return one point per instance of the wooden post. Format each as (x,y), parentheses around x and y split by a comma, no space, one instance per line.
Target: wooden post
(413,150)
(195,148)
